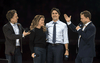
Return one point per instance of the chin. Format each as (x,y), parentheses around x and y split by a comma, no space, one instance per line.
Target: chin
(55,19)
(42,25)
(15,22)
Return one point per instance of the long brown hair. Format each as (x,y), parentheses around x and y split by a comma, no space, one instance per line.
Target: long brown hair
(35,22)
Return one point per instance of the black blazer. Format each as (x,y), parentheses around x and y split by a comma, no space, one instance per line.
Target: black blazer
(11,37)
(87,40)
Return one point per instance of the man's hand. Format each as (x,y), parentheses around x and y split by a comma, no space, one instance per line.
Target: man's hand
(66,53)
(77,28)
(68,19)
(26,33)
(32,55)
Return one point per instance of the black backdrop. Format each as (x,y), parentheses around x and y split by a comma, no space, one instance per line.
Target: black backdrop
(27,9)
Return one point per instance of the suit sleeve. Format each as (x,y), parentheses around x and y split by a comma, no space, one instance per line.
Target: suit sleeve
(9,34)
(22,29)
(31,41)
(90,31)
(72,27)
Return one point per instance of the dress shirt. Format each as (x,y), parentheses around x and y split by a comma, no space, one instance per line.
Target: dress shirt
(61,32)
(16,30)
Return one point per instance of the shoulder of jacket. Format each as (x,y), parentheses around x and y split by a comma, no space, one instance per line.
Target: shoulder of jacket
(6,25)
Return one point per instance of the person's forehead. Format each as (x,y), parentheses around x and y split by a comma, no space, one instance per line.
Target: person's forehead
(82,15)
(15,14)
(54,11)
(42,18)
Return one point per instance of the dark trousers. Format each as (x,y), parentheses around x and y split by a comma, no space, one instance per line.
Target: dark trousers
(42,55)
(55,53)
(16,58)
(83,60)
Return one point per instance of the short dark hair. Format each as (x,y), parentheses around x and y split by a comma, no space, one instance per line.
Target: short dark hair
(86,14)
(10,14)
(56,9)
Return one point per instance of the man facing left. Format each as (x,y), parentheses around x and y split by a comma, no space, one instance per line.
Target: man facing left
(13,33)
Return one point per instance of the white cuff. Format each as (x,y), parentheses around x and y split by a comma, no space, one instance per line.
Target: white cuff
(78,29)
(69,22)
(22,35)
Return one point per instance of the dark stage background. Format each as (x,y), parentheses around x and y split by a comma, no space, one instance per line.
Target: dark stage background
(28,9)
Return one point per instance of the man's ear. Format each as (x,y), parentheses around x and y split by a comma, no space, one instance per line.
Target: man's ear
(88,18)
(10,20)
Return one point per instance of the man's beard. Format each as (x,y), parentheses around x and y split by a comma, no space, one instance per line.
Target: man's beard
(55,19)
(15,21)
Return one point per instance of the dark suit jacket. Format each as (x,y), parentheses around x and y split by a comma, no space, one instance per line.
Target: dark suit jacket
(11,37)
(87,40)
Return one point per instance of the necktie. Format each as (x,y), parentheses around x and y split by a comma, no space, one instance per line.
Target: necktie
(54,32)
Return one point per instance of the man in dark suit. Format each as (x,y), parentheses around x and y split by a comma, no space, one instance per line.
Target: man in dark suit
(13,32)
(86,41)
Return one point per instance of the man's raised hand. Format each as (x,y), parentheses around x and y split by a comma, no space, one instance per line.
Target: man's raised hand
(68,19)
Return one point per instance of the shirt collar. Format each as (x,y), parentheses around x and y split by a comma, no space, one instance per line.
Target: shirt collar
(56,21)
(87,23)
(13,24)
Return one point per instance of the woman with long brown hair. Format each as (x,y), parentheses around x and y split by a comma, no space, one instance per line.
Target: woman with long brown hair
(38,39)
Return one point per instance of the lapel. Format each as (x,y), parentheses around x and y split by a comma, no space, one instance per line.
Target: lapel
(87,26)
(10,27)
(19,26)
